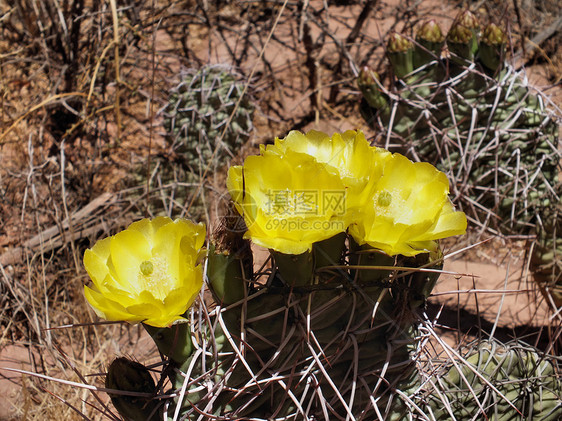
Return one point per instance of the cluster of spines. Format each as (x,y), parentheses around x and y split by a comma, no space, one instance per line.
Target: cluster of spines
(197,114)
(473,116)
(499,382)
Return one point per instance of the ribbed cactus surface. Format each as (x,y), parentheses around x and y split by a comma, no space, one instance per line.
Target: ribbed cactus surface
(471,114)
(197,118)
(341,345)
(499,382)
(202,137)
(546,260)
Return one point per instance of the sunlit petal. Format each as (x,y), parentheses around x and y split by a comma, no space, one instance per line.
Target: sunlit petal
(148,272)
(406,209)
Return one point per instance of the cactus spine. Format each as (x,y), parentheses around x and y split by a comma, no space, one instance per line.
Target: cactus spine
(499,382)
(474,117)
(339,344)
(197,113)
(342,345)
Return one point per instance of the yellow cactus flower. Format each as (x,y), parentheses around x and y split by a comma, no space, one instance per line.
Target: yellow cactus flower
(408,208)
(289,201)
(147,273)
(349,154)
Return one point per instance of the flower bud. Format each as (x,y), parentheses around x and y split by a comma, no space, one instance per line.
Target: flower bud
(129,376)
(226,277)
(367,82)
(230,259)
(461,42)
(400,53)
(492,46)
(494,35)
(468,20)
(430,41)
(398,43)
(459,35)
(430,31)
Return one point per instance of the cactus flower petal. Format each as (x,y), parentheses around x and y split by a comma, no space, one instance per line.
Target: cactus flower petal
(146,273)
(289,201)
(407,208)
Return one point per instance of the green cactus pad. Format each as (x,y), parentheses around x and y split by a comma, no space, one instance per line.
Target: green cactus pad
(341,344)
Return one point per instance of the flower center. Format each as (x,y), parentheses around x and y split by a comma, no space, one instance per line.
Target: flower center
(146,267)
(155,278)
(384,199)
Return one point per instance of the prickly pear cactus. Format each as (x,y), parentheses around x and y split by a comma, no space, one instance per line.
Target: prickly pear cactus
(197,117)
(498,382)
(328,327)
(470,113)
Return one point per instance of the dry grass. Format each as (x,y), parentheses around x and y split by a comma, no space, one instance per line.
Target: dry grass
(81,86)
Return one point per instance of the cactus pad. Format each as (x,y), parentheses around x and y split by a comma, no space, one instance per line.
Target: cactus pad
(342,345)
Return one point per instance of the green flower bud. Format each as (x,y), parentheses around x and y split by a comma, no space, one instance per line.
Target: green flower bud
(462,42)
(367,77)
(430,31)
(398,43)
(459,36)
(492,46)
(230,260)
(430,41)
(129,376)
(400,53)
(226,277)
(494,35)
(468,20)
(367,82)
